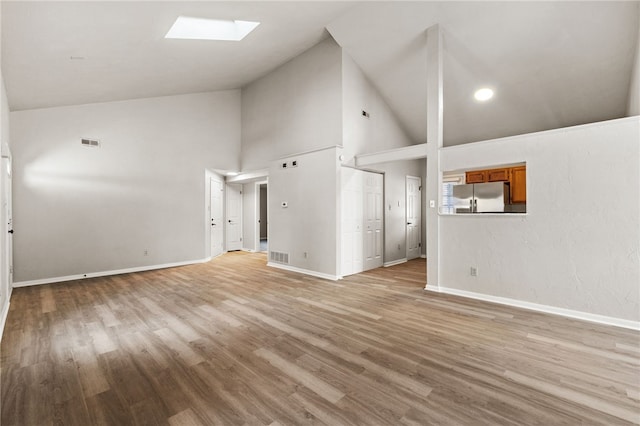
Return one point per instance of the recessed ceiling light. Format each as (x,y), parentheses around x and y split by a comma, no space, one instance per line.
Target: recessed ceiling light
(483,94)
(210,29)
(232,173)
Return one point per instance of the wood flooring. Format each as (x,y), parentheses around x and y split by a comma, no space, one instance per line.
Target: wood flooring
(233,342)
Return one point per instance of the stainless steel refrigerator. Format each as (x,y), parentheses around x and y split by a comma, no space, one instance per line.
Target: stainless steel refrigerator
(492,197)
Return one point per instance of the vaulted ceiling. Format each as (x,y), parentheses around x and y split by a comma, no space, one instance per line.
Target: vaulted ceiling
(551,64)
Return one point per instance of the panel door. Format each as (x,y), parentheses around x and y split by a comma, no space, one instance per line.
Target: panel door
(414,217)
(373,220)
(234,217)
(217,217)
(352,221)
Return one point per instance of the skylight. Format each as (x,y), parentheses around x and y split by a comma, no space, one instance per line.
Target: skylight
(210,29)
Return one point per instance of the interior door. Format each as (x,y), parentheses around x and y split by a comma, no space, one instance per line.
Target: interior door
(373,220)
(414,217)
(234,217)
(352,219)
(6,267)
(217,217)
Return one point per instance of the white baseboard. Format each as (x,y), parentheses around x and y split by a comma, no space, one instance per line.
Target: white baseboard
(585,316)
(107,273)
(394,262)
(423,256)
(304,271)
(3,318)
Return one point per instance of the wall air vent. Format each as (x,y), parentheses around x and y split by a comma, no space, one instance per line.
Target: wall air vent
(92,143)
(279,257)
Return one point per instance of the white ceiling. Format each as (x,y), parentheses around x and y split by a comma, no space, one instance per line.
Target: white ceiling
(552,64)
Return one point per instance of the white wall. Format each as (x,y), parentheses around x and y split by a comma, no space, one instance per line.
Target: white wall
(578,246)
(362,135)
(633,108)
(395,205)
(81,210)
(310,223)
(293,109)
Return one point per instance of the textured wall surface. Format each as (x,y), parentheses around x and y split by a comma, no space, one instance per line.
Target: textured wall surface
(578,246)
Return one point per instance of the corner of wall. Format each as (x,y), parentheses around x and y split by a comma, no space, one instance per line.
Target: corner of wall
(633,105)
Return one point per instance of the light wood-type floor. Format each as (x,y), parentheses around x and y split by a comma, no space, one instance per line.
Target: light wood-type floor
(233,342)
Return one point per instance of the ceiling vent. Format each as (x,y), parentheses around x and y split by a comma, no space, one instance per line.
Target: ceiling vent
(92,143)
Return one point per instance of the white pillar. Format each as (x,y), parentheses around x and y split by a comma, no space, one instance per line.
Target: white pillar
(434,143)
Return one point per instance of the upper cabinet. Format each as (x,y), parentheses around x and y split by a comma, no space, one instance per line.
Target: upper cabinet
(498,175)
(478,176)
(518,185)
(515,176)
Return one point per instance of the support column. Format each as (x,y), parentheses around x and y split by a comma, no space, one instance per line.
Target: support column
(434,143)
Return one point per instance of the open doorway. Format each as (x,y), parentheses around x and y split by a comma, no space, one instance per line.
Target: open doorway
(262,228)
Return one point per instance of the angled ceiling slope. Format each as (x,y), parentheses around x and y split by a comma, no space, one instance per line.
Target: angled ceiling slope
(126,55)
(552,64)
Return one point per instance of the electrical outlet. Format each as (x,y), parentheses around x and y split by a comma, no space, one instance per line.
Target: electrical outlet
(146,252)
(473,271)
(399,247)
(305,254)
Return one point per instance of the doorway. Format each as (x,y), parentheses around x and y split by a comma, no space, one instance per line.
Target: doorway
(414,217)
(217,217)
(262,228)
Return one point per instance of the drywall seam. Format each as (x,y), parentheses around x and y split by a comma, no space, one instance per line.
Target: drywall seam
(569,313)
(107,273)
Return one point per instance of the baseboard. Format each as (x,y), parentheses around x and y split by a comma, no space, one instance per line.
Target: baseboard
(423,256)
(248,250)
(394,262)
(304,271)
(3,318)
(585,316)
(107,273)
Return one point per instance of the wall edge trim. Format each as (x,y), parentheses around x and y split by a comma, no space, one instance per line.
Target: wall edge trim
(568,313)
(304,271)
(107,273)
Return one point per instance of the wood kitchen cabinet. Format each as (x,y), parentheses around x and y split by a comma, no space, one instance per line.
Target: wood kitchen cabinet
(477,176)
(516,176)
(498,175)
(518,184)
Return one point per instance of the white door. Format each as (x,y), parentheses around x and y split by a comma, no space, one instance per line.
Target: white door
(352,221)
(217,217)
(6,268)
(373,220)
(414,217)
(234,217)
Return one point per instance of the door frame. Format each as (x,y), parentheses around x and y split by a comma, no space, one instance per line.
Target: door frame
(257,214)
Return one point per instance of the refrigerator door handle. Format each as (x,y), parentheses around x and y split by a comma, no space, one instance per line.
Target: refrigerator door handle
(471,206)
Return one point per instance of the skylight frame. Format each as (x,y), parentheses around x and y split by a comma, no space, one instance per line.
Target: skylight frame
(190,28)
